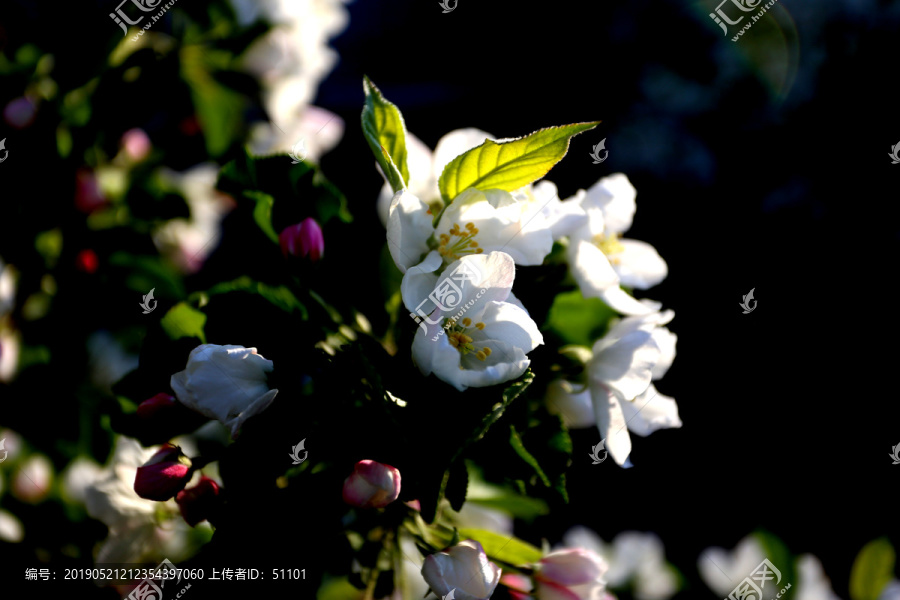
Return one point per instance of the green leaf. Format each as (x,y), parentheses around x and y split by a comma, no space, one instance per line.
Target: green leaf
(516,442)
(510,164)
(579,320)
(778,554)
(503,548)
(182,320)
(219,108)
(262,214)
(280,296)
(872,570)
(385,133)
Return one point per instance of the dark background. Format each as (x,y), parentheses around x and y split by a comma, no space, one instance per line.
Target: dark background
(744,181)
(759,164)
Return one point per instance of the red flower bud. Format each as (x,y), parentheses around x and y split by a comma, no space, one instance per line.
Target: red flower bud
(198,503)
(158,403)
(87,261)
(372,485)
(303,239)
(164,475)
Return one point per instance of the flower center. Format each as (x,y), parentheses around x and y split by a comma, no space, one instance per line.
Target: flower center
(458,338)
(459,242)
(609,244)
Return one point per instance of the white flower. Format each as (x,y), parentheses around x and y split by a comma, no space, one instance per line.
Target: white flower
(633,557)
(721,570)
(812,584)
(138,528)
(477,338)
(11,530)
(226,383)
(624,362)
(464,568)
(10,342)
(570,574)
(474,223)
(7,289)
(891,591)
(476,516)
(600,260)
(187,242)
(108,361)
(425,167)
(290,61)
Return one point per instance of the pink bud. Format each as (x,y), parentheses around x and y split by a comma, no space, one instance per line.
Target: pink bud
(136,144)
(303,239)
(517,586)
(88,196)
(158,403)
(372,485)
(164,475)
(198,503)
(19,113)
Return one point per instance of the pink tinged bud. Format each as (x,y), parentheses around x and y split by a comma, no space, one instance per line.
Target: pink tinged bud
(19,113)
(463,568)
(88,196)
(198,503)
(518,586)
(164,475)
(372,485)
(571,567)
(136,144)
(303,239)
(31,482)
(158,403)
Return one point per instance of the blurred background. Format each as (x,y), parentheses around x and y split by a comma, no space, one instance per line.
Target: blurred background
(759,164)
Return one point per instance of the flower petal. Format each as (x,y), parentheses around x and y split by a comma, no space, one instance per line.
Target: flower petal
(408,229)
(651,411)
(576,408)
(418,282)
(625,367)
(615,196)
(640,265)
(508,322)
(610,422)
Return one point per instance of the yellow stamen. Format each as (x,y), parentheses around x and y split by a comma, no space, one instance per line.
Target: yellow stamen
(487,351)
(480,355)
(467,322)
(479,325)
